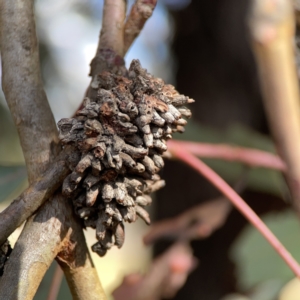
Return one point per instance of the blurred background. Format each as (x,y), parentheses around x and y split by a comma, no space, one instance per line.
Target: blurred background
(203,48)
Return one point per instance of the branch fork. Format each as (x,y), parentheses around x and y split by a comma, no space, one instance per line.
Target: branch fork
(38,135)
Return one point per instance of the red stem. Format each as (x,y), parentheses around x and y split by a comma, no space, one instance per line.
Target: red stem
(251,157)
(55,284)
(183,154)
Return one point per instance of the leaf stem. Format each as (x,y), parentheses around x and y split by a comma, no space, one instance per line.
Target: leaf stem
(191,160)
(250,157)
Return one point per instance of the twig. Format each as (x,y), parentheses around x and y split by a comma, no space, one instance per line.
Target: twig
(32,198)
(75,260)
(140,12)
(272,27)
(55,283)
(110,51)
(239,203)
(45,236)
(34,252)
(111,35)
(250,157)
(27,203)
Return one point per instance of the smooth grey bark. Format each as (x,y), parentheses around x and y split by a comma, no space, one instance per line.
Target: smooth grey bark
(47,233)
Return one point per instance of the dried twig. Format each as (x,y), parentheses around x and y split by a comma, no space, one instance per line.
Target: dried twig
(140,12)
(33,253)
(239,203)
(247,156)
(272,27)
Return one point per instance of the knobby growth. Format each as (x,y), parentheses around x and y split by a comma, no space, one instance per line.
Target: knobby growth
(119,138)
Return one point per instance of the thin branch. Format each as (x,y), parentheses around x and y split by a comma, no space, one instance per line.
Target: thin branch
(45,236)
(32,198)
(250,157)
(140,12)
(34,252)
(109,53)
(25,205)
(55,283)
(29,201)
(272,26)
(75,260)
(111,38)
(239,203)
(111,35)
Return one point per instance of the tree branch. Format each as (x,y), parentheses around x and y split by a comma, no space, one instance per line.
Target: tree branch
(35,122)
(75,260)
(45,236)
(239,203)
(111,35)
(110,51)
(272,27)
(27,203)
(32,198)
(34,252)
(32,115)
(140,12)
(23,88)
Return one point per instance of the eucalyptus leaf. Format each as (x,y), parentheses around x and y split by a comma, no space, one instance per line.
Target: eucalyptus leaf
(256,260)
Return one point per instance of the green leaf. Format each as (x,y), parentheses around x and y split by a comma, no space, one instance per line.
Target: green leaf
(256,260)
